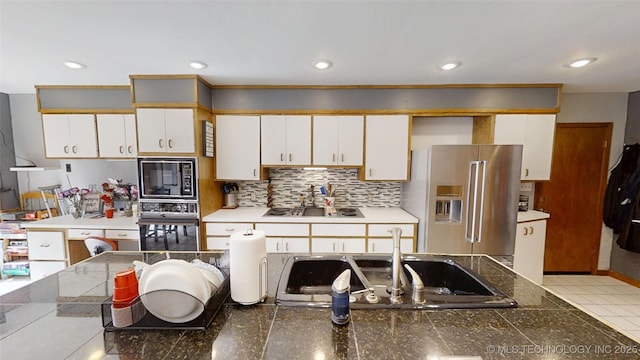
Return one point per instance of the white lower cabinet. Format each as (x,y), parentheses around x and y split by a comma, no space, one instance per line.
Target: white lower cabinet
(338,245)
(386,245)
(41,269)
(528,256)
(287,245)
(218,234)
(46,245)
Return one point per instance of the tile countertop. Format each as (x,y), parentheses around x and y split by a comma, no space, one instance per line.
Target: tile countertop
(86,222)
(255,214)
(37,319)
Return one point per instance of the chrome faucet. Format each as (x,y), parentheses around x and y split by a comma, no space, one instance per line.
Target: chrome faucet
(396,267)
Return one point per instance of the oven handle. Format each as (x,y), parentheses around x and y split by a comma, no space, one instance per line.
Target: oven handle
(169,221)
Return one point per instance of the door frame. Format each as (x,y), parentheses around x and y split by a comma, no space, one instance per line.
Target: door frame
(604,174)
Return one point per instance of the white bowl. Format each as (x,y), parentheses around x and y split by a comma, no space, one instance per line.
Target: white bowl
(174,291)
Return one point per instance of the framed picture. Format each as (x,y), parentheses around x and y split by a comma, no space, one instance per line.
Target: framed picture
(92,203)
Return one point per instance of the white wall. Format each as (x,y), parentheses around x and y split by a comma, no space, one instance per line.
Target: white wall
(29,147)
(440,131)
(599,107)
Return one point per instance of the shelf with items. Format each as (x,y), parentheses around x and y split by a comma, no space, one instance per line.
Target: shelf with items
(15,250)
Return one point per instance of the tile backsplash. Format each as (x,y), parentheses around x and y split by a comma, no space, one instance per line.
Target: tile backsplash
(288,184)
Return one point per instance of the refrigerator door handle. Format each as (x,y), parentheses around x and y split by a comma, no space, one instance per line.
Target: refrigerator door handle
(470,231)
(480,214)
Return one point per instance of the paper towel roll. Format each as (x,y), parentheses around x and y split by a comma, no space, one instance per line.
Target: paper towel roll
(248,266)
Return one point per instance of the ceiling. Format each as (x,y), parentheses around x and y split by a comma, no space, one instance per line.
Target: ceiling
(275,42)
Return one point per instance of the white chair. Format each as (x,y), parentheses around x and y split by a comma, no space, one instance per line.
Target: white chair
(97,245)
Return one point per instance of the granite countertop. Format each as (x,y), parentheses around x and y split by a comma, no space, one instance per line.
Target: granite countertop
(85,222)
(255,214)
(58,317)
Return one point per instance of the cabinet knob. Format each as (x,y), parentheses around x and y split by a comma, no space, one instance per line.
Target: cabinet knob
(290,157)
(281,157)
(373,247)
(333,157)
(74,149)
(130,149)
(286,246)
(526,231)
(170,143)
(530,230)
(342,157)
(66,149)
(229,229)
(526,172)
(370,172)
(44,245)
(277,246)
(160,143)
(121,149)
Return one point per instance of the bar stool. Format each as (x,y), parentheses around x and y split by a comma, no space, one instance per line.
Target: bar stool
(97,245)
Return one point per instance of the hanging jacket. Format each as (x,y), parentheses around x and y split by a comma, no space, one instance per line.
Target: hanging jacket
(615,214)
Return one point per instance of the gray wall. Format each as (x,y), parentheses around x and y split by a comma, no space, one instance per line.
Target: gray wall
(8,180)
(599,107)
(623,261)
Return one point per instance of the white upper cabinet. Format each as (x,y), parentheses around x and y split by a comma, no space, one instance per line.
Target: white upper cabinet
(237,147)
(117,135)
(166,130)
(338,140)
(286,140)
(70,135)
(387,147)
(535,133)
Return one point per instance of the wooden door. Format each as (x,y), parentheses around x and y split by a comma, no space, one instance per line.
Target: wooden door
(574,196)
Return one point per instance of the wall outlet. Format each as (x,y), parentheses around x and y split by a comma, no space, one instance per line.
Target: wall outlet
(526,186)
(68,167)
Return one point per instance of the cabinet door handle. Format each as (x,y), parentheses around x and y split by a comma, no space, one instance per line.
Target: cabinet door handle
(160,143)
(121,149)
(44,245)
(130,149)
(254,172)
(530,230)
(170,143)
(277,246)
(85,233)
(373,247)
(342,157)
(286,246)
(66,149)
(342,247)
(526,172)
(229,229)
(74,149)
(290,157)
(281,157)
(334,247)
(370,172)
(122,235)
(526,231)
(333,158)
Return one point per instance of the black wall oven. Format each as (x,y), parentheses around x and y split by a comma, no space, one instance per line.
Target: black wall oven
(169,215)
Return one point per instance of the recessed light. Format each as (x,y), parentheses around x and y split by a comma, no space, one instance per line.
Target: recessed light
(450,65)
(74,65)
(198,65)
(322,64)
(581,63)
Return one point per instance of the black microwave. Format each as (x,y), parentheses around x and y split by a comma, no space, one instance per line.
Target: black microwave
(167,178)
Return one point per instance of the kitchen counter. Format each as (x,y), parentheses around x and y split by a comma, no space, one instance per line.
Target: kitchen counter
(37,321)
(86,222)
(372,215)
(532,215)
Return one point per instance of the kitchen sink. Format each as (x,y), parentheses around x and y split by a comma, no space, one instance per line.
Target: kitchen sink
(313,211)
(306,281)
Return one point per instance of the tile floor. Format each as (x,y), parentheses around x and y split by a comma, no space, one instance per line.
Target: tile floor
(610,300)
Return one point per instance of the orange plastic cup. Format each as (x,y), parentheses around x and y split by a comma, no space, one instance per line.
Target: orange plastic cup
(108,213)
(125,287)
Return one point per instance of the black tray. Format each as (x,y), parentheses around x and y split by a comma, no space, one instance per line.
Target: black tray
(149,321)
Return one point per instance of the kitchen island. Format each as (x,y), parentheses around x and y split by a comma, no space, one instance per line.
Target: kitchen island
(58,317)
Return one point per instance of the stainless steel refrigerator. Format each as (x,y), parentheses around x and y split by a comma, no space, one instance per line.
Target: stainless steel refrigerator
(465,197)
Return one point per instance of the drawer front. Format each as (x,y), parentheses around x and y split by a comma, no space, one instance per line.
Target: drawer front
(83,233)
(385,246)
(122,234)
(227,229)
(218,242)
(338,229)
(284,229)
(382,230)
(46,246)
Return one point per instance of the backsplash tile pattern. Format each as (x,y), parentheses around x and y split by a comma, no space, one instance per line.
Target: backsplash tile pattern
(288,184)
